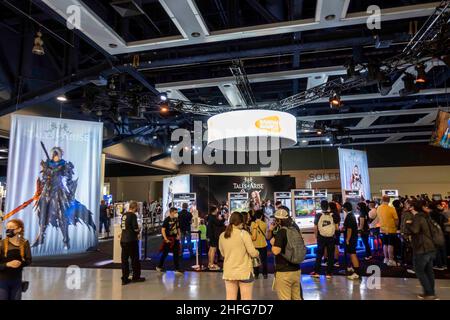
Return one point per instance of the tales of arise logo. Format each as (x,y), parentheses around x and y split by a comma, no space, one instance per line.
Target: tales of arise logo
(248,184)
(57,130)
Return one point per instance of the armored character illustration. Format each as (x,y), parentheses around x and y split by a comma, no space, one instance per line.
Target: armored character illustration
(56,204)
(356,180)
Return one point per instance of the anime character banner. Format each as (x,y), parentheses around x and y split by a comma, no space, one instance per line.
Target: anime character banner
(54,182)
(354,172)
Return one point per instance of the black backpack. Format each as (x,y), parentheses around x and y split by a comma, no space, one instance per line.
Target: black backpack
(437,235)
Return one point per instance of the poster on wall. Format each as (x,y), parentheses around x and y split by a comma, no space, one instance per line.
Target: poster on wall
(354,172)
(54,170)
(175,184)
(441,133)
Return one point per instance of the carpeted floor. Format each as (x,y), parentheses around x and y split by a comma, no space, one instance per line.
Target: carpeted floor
(102,258)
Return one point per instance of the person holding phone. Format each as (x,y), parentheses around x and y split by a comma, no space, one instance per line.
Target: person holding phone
(15,254)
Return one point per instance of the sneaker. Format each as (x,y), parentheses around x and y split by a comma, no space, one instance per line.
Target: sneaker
(214,267)
(337,265)
(324,263)
(159,269)
(410,271)
(328,276)
(179,271)
(392,263)
(314,275)
(141,279)
(385,261)
(368,258)
(424,297)
(125,281)
(350,270)
(353,276)
(439,268)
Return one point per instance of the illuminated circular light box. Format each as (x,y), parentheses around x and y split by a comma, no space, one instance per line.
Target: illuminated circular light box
(252,130)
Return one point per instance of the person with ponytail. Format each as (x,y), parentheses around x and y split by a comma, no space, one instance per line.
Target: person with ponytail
(15,254)
(238,250)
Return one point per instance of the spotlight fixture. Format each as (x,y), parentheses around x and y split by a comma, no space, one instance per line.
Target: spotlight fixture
(410,86)
(164,109)
(319,132)
(163,97)
(61,98)
(335,101)
(38,48)
(421,74)
(327,139)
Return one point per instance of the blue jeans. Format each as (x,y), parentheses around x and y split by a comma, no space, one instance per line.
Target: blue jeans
(186,241)
(11,289)
(423,266)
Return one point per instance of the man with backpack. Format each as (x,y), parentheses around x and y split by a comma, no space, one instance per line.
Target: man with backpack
(289,250)
(324,230)
(426,237)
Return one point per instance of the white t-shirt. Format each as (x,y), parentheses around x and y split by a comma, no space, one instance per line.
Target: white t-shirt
(374,216)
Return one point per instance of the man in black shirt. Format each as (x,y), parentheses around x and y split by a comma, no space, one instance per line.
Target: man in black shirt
(185,218)
(287,274)
(171,240)
(104,220)
(130,245)
(325,232)
(351,239)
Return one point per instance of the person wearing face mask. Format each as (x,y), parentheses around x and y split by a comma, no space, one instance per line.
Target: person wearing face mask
(15,254)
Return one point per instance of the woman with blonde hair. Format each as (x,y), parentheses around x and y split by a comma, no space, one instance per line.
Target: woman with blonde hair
(15,254)
(238,250)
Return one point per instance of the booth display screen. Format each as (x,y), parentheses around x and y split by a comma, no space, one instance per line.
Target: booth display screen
(284,198)
(303,202)
(304,207)
(238,202)
(180,198)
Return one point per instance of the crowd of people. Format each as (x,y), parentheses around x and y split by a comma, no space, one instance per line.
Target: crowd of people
(410,232)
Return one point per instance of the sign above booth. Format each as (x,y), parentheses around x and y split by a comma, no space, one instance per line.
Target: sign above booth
(252,130)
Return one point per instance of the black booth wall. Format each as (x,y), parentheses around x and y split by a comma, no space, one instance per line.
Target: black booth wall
(213,190)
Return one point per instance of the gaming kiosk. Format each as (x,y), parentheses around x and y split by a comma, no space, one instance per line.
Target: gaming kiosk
(285,198)
(238,201)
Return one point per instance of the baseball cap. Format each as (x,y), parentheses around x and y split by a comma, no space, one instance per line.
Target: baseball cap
(281,214)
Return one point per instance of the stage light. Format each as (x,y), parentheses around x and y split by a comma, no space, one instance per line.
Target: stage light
(319,132)
(410,86)
(164,109)
(351,70)
(38,48)
(304,141)
(335,101)
(421,74)
(163,97)
(327,139)
(61,98)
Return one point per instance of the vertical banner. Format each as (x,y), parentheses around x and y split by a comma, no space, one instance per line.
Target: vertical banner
(354,172)
(175,184)
(54,170)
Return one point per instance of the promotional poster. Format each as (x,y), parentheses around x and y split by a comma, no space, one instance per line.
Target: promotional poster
(354,172)
(175,184)
(441,134)
(54,182)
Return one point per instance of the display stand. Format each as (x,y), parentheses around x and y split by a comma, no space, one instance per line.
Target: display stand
(284,198)
(392,194)
(238,201)
(198,259)
(320,195)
